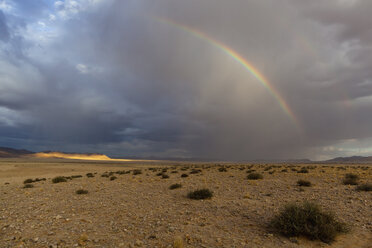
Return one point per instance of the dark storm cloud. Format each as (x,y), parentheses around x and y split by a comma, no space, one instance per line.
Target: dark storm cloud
(4,33)
(108,76)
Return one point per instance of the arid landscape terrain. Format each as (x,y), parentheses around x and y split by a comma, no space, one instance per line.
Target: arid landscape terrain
(130,204)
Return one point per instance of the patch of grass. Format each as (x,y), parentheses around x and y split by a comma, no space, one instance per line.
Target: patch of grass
(59,179)
(113,178)
(89,175)
(184,175)
(254,176)
(175,186)
(27,186)
(81,192)
(307,219)
(351,179)
(200,194)
(303,183)
(364,187)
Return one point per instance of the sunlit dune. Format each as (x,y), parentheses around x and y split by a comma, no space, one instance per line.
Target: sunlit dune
(98,157)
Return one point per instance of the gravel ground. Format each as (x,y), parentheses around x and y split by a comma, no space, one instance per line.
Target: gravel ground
(141,211)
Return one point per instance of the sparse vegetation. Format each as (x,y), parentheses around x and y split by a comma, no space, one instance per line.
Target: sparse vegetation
(59,179)
(81,191)
(365,187)
(254,176)
(29,180)
(200,194)
(113,178)
(184,175)
(309,220)
(303,170)
(303,183)
(164,176)
(351,179)
(28,185)
(222,169)
(195,171)
(89,175)
(137,172)
(175,186)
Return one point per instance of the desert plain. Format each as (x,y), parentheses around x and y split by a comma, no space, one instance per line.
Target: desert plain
(129,204)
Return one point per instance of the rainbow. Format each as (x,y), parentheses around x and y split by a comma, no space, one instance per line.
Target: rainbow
(238,58)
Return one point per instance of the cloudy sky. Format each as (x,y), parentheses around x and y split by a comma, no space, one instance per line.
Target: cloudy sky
(158,77)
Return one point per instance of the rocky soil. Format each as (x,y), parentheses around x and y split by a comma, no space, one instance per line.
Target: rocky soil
(141,211)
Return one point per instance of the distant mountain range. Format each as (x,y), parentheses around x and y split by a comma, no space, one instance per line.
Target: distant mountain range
(352,159)
(6,152)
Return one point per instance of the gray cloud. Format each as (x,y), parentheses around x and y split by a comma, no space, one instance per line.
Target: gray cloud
(4,33)
(116,79)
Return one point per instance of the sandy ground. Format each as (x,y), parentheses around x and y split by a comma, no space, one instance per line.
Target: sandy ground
(141,210)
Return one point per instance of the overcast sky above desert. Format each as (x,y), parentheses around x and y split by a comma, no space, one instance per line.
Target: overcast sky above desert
(217,79)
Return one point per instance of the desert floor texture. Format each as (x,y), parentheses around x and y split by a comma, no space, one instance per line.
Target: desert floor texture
(141,211)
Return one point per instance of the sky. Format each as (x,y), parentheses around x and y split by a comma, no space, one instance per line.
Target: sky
(215,79)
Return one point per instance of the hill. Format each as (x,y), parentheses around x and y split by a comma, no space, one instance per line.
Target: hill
(6,152)
(352,159)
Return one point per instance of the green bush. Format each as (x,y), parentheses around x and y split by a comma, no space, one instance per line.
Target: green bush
(254,176)
(307,219)
(59,179)
(200,194)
